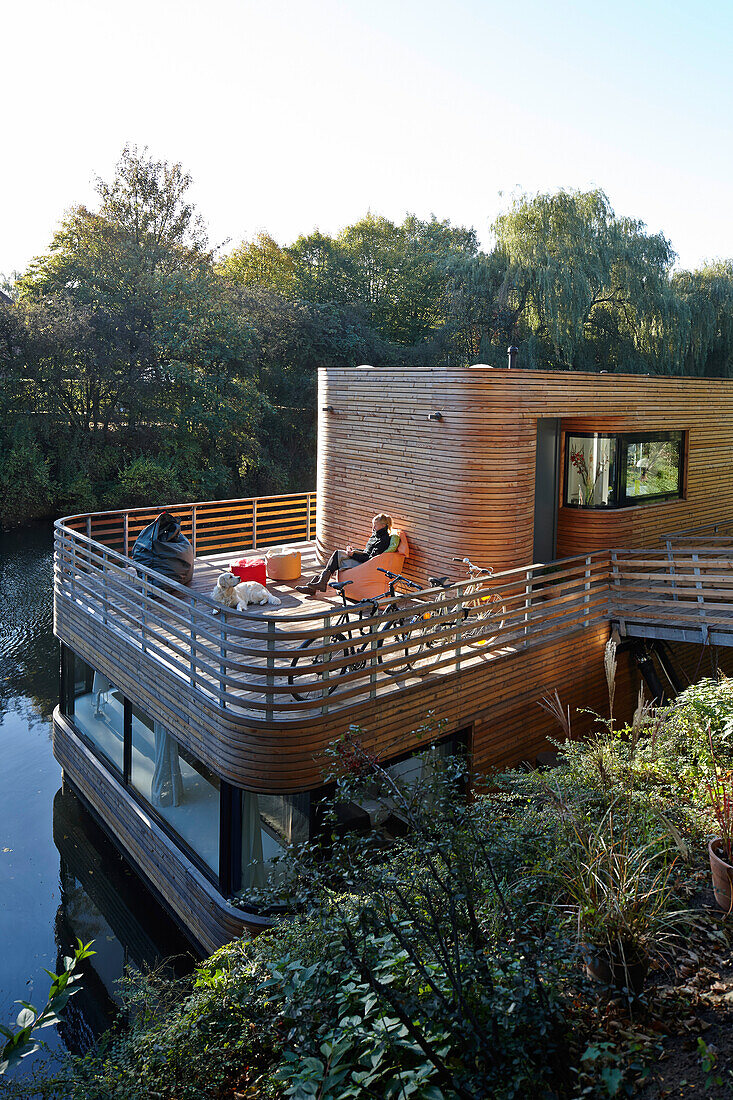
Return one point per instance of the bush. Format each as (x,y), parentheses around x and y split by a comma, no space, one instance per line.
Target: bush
(25,484)
(147,480)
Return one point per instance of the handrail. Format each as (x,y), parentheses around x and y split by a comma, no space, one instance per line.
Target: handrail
(275,667)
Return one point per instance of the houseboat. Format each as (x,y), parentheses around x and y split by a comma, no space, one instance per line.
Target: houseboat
(597,506)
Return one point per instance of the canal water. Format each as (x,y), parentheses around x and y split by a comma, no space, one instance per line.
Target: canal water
(60,876)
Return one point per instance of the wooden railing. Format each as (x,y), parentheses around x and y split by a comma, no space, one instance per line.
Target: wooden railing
(213,526)
(281,666)
(716,535)
(682,588)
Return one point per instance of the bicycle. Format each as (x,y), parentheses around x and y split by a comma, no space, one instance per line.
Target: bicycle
(300,687)
(479,605)
(420,630)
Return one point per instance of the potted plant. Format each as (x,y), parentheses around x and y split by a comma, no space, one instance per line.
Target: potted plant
(620,894)
(720,848)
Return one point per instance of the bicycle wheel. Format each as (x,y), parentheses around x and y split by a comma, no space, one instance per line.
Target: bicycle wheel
(403,625)
(486,617)
(303,685)
(433,626)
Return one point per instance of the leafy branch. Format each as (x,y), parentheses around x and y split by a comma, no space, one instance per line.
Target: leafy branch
(19,1044)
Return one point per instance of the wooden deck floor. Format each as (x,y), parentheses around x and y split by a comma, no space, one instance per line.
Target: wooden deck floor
(208,568)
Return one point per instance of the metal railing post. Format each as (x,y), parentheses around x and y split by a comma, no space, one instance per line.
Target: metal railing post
(528,591)
(270,675)
(586,587)
(702,616)
(308,517)
(254,524)
(617,587)
(125,534)
(323,664)
(223,660)
(193,528)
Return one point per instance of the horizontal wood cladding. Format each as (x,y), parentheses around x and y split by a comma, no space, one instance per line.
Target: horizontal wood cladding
(464,485)
(194,902)
(496,693)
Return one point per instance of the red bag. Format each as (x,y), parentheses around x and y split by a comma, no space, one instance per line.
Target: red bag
(250,569)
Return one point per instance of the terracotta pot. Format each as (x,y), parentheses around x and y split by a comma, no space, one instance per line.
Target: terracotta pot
(613,971)
(722,876)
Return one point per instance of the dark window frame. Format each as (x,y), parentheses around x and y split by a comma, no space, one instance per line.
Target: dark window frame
(622,441)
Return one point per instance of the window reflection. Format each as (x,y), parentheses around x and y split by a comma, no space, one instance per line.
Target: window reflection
(181,789)
(97,707)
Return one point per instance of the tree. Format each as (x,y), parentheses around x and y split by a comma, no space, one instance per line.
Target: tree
(596,287)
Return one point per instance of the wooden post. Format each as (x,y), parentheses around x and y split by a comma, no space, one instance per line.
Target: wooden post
(270,676)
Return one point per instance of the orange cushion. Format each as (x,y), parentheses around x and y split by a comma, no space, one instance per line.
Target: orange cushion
(367,583)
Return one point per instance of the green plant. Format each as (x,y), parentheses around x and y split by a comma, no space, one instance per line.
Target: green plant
(708,1061)
(619,892)
(21,1043)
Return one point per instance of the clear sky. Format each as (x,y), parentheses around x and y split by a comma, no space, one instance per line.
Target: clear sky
(296,114)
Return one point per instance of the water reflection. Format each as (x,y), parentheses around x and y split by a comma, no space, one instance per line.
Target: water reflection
(103,900)
(29,658)
(90,892)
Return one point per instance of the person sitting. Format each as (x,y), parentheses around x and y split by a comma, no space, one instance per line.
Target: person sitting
(378,543)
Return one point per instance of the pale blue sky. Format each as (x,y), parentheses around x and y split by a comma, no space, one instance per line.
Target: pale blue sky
(292,114)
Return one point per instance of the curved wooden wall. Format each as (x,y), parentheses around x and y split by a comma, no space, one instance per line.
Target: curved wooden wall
(464,486)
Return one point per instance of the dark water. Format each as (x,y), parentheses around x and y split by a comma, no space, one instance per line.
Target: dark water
(60,877)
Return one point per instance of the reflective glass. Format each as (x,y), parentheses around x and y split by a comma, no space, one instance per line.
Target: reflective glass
(591,467)
(181,789)
(98,711)
(653,468)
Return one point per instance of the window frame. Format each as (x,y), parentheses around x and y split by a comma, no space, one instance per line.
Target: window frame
(622,441)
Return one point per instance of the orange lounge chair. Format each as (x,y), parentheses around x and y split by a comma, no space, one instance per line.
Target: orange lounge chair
(366,581)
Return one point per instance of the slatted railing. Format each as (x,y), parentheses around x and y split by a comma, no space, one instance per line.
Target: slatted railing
(287,666)
(213,526)
(681,589)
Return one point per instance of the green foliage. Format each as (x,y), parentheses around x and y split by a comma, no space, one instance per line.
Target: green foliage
(19,1044)
(25,483)
(444,963)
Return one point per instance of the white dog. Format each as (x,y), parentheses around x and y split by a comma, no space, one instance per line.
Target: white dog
(231,592)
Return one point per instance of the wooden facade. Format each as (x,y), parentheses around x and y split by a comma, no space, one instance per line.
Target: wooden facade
(464,485)
(257,696)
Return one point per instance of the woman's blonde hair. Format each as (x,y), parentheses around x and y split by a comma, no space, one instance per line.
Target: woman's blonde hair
(384,520)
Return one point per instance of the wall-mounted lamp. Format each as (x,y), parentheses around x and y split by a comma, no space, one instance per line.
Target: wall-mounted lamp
(435,416)
(327,408)
(512,354)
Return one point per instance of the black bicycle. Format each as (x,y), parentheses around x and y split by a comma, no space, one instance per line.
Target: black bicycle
(350,639)
(420,632)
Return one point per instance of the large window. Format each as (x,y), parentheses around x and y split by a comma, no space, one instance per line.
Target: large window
(180,788)
(612,471)
(98,710)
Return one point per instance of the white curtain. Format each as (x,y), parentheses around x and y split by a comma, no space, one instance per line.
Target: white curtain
(167,789)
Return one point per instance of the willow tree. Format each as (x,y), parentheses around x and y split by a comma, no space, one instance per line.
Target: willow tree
(707,296)
(597,287)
